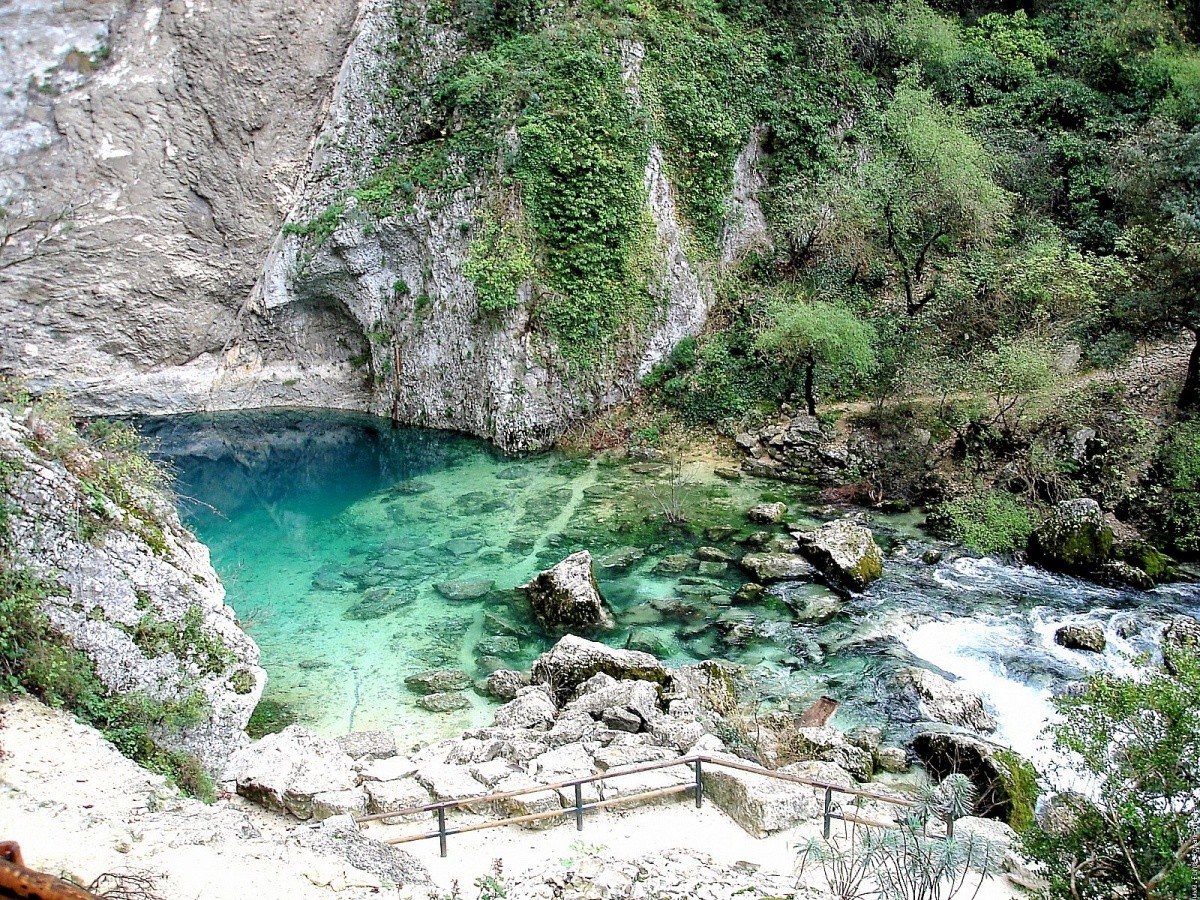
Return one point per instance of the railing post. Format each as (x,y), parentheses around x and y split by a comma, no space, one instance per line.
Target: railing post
(949,827)
(442,830)
(578,807)
(828,812)
(699,786)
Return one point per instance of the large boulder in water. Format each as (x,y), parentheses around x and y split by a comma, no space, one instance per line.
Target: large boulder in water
(573,660)
(770,567)
(844,552)
(1081,636)
(1075,539)
(567,594)
(922,695)
(1005,781)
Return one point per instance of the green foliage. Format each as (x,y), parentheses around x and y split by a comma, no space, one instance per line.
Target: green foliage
(987,521)
(36,659)
(1178,487)
(317,230)
(187,639)
(1021,788)
(269,717)
(500,262)
(1135,742)
(905,862)
(828,333)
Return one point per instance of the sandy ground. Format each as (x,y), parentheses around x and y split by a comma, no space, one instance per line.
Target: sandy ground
(79,809)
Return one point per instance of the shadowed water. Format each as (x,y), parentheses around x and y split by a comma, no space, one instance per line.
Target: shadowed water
(333,531)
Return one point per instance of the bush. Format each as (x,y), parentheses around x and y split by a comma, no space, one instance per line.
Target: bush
(986,521)
(1177,487)
(37,660)
(1134,743)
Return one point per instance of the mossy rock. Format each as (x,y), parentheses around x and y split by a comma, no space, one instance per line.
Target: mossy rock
(1159,567)
(1075,539)
(1006,783)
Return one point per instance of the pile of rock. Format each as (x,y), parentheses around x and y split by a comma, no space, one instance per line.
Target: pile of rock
(585,709)
(797,449)
(842,553)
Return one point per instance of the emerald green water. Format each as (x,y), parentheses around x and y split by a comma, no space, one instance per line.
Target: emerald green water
(330,532)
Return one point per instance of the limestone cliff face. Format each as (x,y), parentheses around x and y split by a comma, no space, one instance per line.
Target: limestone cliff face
(151,152)
(141,598)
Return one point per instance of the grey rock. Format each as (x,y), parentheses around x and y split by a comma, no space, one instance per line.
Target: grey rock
(621,719)
(771,567)
(573,660)
(922,695)
(341,837)
(767,513)
(844,552)
(1081,636)
(503,684)
(758,803)
(1181,633)
(713,554)
(285,771)
(339,803)
(502,646)
(529,709)
(622,558)
(368,744)
(567,594)
(111,582)
(444,701)
(674,563)
(891,759)
(389,796)
(465,588)
(437,681)
(391,769)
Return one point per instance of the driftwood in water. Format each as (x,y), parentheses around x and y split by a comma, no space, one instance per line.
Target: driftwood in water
(18,881)
(817,715)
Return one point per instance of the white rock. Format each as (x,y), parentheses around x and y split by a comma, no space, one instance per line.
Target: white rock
(283,771)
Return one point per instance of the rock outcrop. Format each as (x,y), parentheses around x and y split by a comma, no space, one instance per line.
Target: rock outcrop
(573,660)
(797,449)
(567,595)
(844,552)
(139,595)
(1181,633)
(1081,636)
(293,770)
(1006,784)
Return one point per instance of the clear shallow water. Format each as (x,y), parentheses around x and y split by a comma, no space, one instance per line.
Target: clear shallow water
(331,531)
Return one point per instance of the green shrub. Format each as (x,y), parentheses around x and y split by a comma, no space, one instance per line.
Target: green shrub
(986,521)
(499,263)
(1178,487)
(1134,741)
(36,659)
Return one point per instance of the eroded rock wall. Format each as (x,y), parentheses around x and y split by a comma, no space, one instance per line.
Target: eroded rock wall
(140,597)
(149,150)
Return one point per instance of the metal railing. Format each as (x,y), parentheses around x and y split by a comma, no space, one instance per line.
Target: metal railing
(579,808)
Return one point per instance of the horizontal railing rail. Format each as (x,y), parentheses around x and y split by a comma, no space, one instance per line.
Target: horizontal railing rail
(579,808)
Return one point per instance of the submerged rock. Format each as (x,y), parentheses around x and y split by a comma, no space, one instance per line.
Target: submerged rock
(438,681)
(769,567)
(622,557)
(464,588)
(926,696)
(1075,539)
(573,660)
(443,702)
(844,552)
(1081,637)
(567,594)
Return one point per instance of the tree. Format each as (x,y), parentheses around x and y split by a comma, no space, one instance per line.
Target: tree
(1135,743)
(808,334)
(1159,180)
(928,192)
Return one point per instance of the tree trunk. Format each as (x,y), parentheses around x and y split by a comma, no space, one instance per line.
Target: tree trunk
(810,396)
(1189,397)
